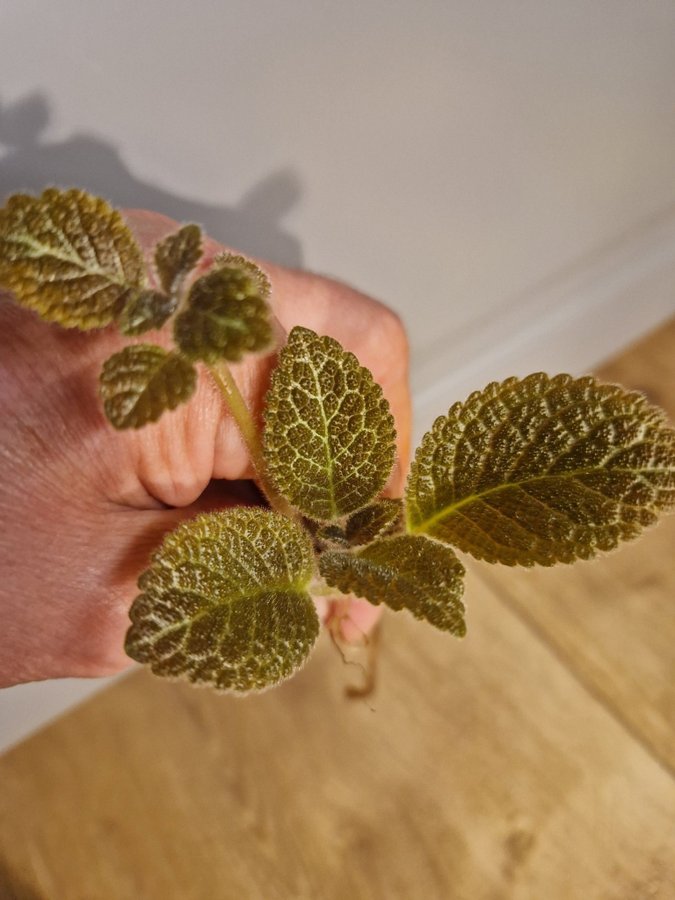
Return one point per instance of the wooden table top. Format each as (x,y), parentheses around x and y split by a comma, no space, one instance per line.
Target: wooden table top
(534,759)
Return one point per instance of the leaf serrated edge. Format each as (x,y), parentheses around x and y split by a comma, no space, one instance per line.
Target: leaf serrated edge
(169,356)
(300,588)
(300,335)
(42,204)
(173,285)
(656,418)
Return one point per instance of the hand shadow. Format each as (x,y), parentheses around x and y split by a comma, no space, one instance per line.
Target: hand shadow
(29,162)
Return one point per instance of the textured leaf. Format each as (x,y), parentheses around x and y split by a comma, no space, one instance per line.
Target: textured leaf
(144,310)
(404,572)
(329,436)
(242,264)
(225,602)
(542,470)
(376,520)
(330,534)
(141,382)
(373,521)
(226,317)
(68,256)
(177,255)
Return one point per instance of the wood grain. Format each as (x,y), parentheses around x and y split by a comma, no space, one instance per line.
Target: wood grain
(529,761)
(613,620)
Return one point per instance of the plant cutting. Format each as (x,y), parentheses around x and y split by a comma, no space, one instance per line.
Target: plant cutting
(530,471)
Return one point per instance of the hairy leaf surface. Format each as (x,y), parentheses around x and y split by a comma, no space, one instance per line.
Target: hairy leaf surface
(142,381)
(225,602)
(226,316)
(404,572)
(144,310)
(542,470)
(177,255)
(242,264)
(69,256)
(375,520)
(329,435)
(330,534)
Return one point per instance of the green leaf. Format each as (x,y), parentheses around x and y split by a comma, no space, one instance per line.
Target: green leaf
(542,470)
(329,436)
(69,256)
(176,256)
(228,260)
(404,572)
(141,382)
(144,310)
(226,316)
(225,602)
(331,534)
(374,521)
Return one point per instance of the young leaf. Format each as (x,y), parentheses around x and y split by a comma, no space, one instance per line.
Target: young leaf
(177,255)
(240,263)
(329,436)
(142,381)
(226,316)
(225,602)
(404,572)
(542,470)
(68,256)
(376,520)
(144,310)
(330,534)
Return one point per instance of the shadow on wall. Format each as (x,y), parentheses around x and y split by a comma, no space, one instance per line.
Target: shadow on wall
(29,162)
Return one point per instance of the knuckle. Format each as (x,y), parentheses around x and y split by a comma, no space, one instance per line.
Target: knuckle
(395,333)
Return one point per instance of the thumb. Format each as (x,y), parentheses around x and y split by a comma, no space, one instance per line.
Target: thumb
(176,457)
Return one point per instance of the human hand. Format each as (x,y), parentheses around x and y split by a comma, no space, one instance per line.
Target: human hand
(83,506)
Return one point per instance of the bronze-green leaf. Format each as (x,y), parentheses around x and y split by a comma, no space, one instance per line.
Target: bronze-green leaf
(226,317)
(405,572)
(228,260)
(142,381)
(329,435)
(329,534)
(542,470)
(144,310)
(69,256)
(176,256)
(225,602)
(376,520)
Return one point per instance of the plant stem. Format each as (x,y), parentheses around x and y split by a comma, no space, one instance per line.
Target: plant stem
(249,431)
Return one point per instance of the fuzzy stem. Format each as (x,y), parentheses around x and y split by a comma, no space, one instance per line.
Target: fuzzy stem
(249,431)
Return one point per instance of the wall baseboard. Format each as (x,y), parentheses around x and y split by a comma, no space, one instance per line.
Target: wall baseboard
(570,323)
(27,707)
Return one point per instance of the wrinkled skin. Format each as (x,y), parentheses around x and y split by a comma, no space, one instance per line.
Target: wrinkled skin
(83,506)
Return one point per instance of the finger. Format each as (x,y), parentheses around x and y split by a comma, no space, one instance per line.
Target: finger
(361,324)
(131,537)
(366,327)
(179,454)
(351,619)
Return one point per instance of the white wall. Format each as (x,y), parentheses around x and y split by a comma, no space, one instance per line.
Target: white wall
(501,173)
